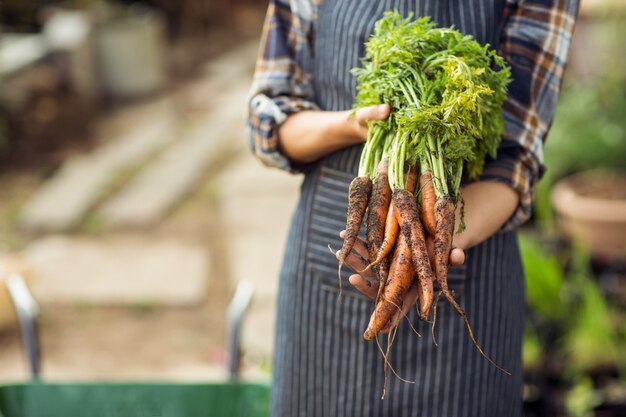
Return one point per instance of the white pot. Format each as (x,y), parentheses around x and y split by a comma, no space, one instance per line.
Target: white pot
(129,55)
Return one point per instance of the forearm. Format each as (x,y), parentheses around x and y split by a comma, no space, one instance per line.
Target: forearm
(309,135)
(488,205)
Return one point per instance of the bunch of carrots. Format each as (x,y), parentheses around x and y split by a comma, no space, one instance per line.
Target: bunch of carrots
(445,91)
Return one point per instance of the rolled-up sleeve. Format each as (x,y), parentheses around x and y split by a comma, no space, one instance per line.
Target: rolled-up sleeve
(282,83)
(534,41)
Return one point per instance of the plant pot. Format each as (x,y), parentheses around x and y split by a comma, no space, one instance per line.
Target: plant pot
(130,52)
(591,209)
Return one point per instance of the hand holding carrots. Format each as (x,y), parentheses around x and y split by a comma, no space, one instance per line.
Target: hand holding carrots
(443,118)
(359,259)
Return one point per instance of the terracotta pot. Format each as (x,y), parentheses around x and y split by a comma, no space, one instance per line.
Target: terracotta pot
(591,207)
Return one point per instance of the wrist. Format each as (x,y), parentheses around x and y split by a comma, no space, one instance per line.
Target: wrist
(488,205)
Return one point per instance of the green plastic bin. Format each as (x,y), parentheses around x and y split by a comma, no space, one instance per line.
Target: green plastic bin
(94,399)
(35,399)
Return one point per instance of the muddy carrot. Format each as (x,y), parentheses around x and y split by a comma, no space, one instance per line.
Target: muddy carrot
(401,276)
(411,227)
(376,216)
(391,224)
(358,198)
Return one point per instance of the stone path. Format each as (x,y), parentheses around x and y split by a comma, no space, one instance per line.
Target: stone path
(84,181)
(164,166)
(66,199)
(118,270)
(180,169)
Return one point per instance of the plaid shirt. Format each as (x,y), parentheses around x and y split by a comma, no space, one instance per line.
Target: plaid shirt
(535,39)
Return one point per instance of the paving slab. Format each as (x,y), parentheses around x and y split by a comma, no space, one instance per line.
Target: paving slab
(148,197)
(62,202)
(118,270)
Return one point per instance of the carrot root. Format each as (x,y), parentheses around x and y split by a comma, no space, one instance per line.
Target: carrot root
(401,275)
(358,198)
(411,227)
(428,202)
(445,216)
(376,216)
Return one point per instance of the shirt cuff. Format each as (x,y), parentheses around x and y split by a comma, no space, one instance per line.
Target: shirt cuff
(518,168)
(265,115)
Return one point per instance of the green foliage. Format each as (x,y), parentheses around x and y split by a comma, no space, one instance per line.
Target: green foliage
(532,349)
(582,398)
(570,302)
(544,280)
(589,132)
(445,91)
(592,339)
(589,129)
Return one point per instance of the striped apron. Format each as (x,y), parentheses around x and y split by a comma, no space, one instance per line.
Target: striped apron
(322,366)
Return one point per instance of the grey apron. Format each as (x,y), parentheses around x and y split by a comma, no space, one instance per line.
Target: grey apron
(322,366)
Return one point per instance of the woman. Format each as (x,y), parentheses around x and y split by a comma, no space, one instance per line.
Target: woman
(298,121)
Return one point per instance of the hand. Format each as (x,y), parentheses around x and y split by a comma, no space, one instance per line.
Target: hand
(359,259)
(311,134)
(367,114)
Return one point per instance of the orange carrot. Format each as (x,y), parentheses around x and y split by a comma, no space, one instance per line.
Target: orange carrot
(445,217)
(428,202)
(410,225)
(401,276)
(391,225)
(391,234)
(375,221)
(411,180)
(358,198)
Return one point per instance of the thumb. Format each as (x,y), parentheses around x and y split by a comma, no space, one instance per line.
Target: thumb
(457,257)
(378,112)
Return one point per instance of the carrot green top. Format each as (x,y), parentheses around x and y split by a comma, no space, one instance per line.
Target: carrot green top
(534,39)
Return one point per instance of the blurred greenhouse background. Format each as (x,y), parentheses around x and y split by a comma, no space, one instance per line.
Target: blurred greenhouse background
(125,187)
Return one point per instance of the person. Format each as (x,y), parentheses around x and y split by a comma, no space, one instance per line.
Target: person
(298,120)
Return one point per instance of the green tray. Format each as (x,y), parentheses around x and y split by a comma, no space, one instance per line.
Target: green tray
(35,399)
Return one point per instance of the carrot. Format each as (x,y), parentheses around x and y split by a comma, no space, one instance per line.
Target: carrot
(428,202)
(375,221)
(411,227)
(401,276)
(411,180)
(391,234)
(391,225)
(358,198)
(445,217)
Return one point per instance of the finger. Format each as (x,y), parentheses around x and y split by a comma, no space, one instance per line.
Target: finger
(359,245)
(365,114)
(369,288)
(457,257)
(356,263)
